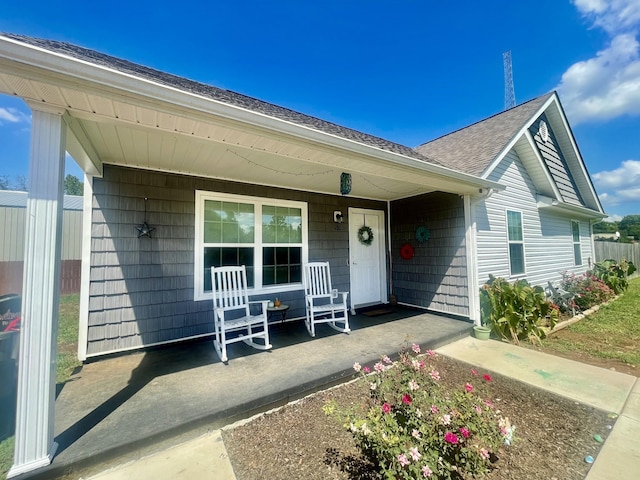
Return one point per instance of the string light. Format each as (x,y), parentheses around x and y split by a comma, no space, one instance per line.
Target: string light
(281,172)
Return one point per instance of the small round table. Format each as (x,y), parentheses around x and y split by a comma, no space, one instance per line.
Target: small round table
(282,310)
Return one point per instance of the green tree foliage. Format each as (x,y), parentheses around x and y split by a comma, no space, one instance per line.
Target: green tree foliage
(605,227)
(630,226)
(72,185)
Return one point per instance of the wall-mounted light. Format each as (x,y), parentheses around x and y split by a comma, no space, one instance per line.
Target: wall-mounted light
(345,183)
(145,229)
(338,217)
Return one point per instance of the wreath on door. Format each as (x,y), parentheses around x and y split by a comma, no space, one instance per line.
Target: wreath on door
(365,235)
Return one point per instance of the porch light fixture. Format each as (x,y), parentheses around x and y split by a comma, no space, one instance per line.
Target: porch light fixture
(145,229)
(345,183)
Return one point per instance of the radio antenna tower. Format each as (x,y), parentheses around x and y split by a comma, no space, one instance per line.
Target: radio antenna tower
(509,94)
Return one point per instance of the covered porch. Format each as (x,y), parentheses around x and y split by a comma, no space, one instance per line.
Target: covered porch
(149,142)
(119,408)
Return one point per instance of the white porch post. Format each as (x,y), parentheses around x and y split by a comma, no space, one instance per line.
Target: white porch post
(34,445)
(472,259)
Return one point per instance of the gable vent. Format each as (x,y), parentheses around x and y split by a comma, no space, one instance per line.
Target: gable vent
(543,131)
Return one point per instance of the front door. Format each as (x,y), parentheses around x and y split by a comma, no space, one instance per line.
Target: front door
(367,263)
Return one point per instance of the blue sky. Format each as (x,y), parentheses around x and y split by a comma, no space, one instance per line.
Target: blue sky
(408,71)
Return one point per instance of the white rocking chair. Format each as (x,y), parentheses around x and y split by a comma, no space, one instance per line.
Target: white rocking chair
(324,304)
(231,311)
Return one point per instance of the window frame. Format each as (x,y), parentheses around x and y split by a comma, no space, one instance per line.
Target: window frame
(199,245)
(516,242)
(575,243)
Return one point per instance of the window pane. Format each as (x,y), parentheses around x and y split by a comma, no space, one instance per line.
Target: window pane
(230,233)
(281,265)
(212,211)
(514,225)
(575,230)
(212,232)
(577,254)
(281,224)
(516,258)
(225,257)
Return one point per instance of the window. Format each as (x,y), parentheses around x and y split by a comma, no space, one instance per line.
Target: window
(575,233)
(516,242)
(266,235)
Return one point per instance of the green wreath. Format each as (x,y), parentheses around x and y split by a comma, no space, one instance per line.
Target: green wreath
(365,235)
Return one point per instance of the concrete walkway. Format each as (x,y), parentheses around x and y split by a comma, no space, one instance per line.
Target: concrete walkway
(205,457)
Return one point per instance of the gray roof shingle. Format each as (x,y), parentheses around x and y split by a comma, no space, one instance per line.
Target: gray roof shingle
(218,94)
(472,149)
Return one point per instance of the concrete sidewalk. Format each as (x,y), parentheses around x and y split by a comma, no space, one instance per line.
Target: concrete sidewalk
(205,457)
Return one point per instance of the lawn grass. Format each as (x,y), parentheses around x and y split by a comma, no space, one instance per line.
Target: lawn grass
(67,361)
(613,332)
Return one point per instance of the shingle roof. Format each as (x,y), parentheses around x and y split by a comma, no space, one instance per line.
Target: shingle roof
(13,198)
(472,149)
(218,94)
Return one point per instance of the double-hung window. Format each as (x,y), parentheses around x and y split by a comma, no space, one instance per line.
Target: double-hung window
(575,234)
(516,242)
(268,236)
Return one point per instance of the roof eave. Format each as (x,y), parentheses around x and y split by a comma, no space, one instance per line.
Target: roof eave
(41,60)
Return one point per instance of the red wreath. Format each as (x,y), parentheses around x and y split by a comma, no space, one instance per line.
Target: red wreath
(406,251)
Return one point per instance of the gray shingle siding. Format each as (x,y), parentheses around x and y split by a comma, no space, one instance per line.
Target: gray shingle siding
(436,277)
(141,289)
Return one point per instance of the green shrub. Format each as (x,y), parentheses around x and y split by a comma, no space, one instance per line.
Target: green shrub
(516,311)
(614,275)
(411,427)
(587,290)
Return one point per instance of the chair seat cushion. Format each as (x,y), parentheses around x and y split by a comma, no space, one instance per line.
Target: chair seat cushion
(328,307)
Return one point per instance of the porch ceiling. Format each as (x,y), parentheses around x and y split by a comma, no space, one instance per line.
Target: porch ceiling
(124,121)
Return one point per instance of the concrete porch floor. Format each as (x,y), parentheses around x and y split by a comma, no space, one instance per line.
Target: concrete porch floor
(119,409)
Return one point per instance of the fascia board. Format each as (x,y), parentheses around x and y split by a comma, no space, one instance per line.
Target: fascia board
(515,138)
(553,204)
(40,59)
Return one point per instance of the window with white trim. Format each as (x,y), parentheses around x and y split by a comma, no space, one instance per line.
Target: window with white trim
(577,249)
(516,242)
(267,235)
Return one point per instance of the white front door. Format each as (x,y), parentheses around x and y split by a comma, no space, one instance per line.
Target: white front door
(367,263)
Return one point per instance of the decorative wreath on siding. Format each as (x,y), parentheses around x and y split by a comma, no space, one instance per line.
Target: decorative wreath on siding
(422,234)
(406,251)
(365,235)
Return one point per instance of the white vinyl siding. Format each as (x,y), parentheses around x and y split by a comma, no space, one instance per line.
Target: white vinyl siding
(548,243)
(575,236)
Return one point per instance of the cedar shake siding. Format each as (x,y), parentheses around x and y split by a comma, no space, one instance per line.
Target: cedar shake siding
(436,277)
(142,289)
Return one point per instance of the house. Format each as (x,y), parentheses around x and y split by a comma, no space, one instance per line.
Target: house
(181,176)
(13,209)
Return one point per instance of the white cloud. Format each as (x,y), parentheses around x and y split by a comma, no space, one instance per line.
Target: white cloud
(10,115)
(621,185)
(613,218)
(607,85)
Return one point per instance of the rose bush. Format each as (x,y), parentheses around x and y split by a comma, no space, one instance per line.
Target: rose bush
(411,427)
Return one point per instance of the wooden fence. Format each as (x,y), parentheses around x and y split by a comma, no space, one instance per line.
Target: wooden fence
(618,251)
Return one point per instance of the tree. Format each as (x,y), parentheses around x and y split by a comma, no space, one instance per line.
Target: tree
(5,184)
(21,183)
(72,185)
(630,226)
(605,227)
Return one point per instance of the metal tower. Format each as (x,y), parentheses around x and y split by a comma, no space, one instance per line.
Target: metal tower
(509,94)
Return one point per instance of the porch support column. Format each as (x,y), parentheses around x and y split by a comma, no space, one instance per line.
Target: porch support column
(34,445)
(472,259)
